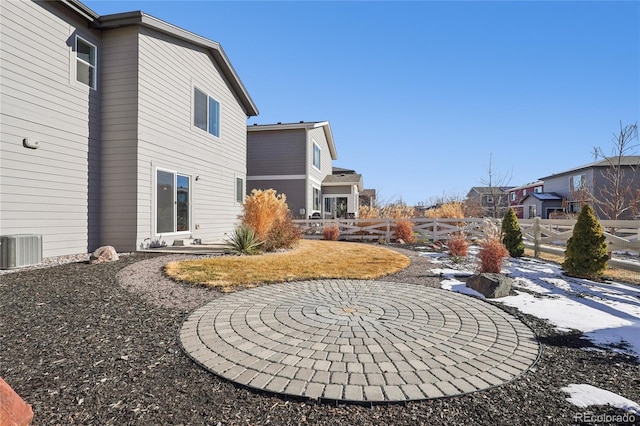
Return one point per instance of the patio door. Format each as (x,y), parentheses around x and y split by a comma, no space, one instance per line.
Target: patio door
(335,207)
(172,202)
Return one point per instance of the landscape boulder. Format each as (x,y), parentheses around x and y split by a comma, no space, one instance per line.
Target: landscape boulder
(490,285)
(103,254)
(13,410)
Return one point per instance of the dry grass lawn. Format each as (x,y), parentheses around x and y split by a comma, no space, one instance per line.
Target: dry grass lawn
(612,274)
(311,259)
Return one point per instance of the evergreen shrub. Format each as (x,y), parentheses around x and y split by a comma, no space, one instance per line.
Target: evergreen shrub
(586,254)
(512,235)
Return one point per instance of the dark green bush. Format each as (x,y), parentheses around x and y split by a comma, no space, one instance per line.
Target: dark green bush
(586,255)
(512,235)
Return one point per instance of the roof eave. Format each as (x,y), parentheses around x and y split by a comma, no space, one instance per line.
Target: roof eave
(81,9)
(140,19)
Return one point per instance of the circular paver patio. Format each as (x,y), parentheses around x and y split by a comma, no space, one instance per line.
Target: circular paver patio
(358,341)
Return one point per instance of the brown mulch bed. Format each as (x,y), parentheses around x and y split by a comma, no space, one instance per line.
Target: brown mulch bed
(84,346)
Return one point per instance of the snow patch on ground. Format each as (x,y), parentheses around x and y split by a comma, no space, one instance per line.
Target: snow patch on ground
(608,314)
(583,396)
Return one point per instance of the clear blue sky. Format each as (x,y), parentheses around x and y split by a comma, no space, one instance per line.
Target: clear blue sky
(420,94)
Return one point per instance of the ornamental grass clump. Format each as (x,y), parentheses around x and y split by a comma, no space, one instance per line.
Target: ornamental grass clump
(451,210)
(404,231)
(586,255)
(244,241)
(267,213)
(331,233)
(458,245)
(512,235)
(492,252)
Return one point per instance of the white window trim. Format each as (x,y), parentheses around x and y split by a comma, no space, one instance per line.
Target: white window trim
(313,156)
(155,203)
(244,189)
(313,199)
(94,82)
(195,86)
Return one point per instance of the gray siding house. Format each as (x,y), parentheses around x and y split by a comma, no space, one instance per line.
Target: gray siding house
(294,159)
(591,183)
(118,130)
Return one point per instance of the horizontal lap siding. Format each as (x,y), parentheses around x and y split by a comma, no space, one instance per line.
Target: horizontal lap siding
(47,190)
(168,70)
(119,199)
(276,152)
(316,176)
(294,189)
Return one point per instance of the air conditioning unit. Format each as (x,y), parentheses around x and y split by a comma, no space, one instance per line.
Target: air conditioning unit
(21,250)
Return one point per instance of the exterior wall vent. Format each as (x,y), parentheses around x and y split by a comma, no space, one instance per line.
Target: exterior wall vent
(20,250)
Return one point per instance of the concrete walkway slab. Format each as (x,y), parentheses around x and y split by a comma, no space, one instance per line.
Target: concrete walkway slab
(358,341)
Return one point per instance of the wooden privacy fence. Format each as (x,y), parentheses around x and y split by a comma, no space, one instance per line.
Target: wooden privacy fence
(546,235)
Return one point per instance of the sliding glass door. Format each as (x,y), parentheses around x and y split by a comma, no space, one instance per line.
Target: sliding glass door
(172,202)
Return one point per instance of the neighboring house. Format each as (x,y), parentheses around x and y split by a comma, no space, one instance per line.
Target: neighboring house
(540,204)
(118,130)
(341,195)
(295,159)
(488,201)
(591,183)
(368,198)
(517,194)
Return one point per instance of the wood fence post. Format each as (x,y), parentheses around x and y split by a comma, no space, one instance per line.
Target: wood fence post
(388,231)
(435,229)
(537,235)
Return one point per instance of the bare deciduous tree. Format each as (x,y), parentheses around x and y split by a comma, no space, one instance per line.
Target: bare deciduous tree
(620,192)
(495,184)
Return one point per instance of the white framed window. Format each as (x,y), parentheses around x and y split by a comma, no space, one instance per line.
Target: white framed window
(316,156)
(86,62)
(206,112)
(538,190)
(239,190)
(173,202)
(316,199)
(577,182)
(513,196)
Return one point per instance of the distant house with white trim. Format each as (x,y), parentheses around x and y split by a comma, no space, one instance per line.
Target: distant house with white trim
(296,159)
(116,130)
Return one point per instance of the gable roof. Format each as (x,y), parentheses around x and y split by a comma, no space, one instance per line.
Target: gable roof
(343,179)
(487,190)
(300,125)
(139,18)
(628,160)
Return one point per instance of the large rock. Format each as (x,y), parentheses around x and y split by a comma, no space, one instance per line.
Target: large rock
(490,285)
(13,410)
(103,254)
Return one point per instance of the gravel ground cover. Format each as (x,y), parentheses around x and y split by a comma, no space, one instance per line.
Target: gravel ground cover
(97,345)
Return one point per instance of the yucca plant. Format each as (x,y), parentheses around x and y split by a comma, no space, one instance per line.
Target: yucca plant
(244,241)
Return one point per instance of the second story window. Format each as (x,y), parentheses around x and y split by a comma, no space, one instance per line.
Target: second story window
(86,54)
(316,156)
(577,182)
(206,112)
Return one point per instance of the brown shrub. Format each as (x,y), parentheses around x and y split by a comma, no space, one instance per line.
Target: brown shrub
(404,231)
(458,245)
(492,254)
(331,233)
(284,234)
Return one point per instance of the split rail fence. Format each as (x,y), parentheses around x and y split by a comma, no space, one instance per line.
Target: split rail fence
(541,235)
